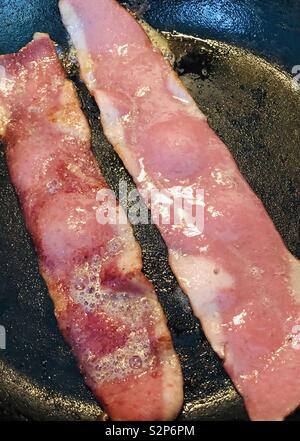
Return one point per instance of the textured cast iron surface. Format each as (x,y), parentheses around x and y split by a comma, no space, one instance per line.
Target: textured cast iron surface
(270,27)
(255,111)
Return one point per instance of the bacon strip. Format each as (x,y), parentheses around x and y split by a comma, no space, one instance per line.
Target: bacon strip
(106,309)
(242,282)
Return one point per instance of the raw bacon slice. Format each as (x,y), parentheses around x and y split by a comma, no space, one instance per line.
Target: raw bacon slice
(106,309)
(242,282)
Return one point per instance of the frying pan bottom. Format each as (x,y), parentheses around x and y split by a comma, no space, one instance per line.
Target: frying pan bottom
(254,109)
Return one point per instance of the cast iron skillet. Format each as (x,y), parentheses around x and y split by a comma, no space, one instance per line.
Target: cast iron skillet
(255,110)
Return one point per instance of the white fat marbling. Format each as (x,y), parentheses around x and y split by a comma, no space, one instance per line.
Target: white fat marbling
(111,119)
(295,278)
(204,283)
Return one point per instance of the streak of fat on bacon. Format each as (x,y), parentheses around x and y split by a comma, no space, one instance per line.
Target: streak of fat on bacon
(106,309)
(242,282)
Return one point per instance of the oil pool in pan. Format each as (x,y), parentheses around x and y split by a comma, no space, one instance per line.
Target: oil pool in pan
(254,109)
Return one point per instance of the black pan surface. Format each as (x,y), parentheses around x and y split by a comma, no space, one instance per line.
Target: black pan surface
(254,108)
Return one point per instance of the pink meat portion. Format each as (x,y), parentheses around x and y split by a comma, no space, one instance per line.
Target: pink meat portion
(106,309)
(242,282)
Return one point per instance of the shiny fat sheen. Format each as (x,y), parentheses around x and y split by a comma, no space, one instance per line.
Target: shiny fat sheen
(242,282)
(106,309)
